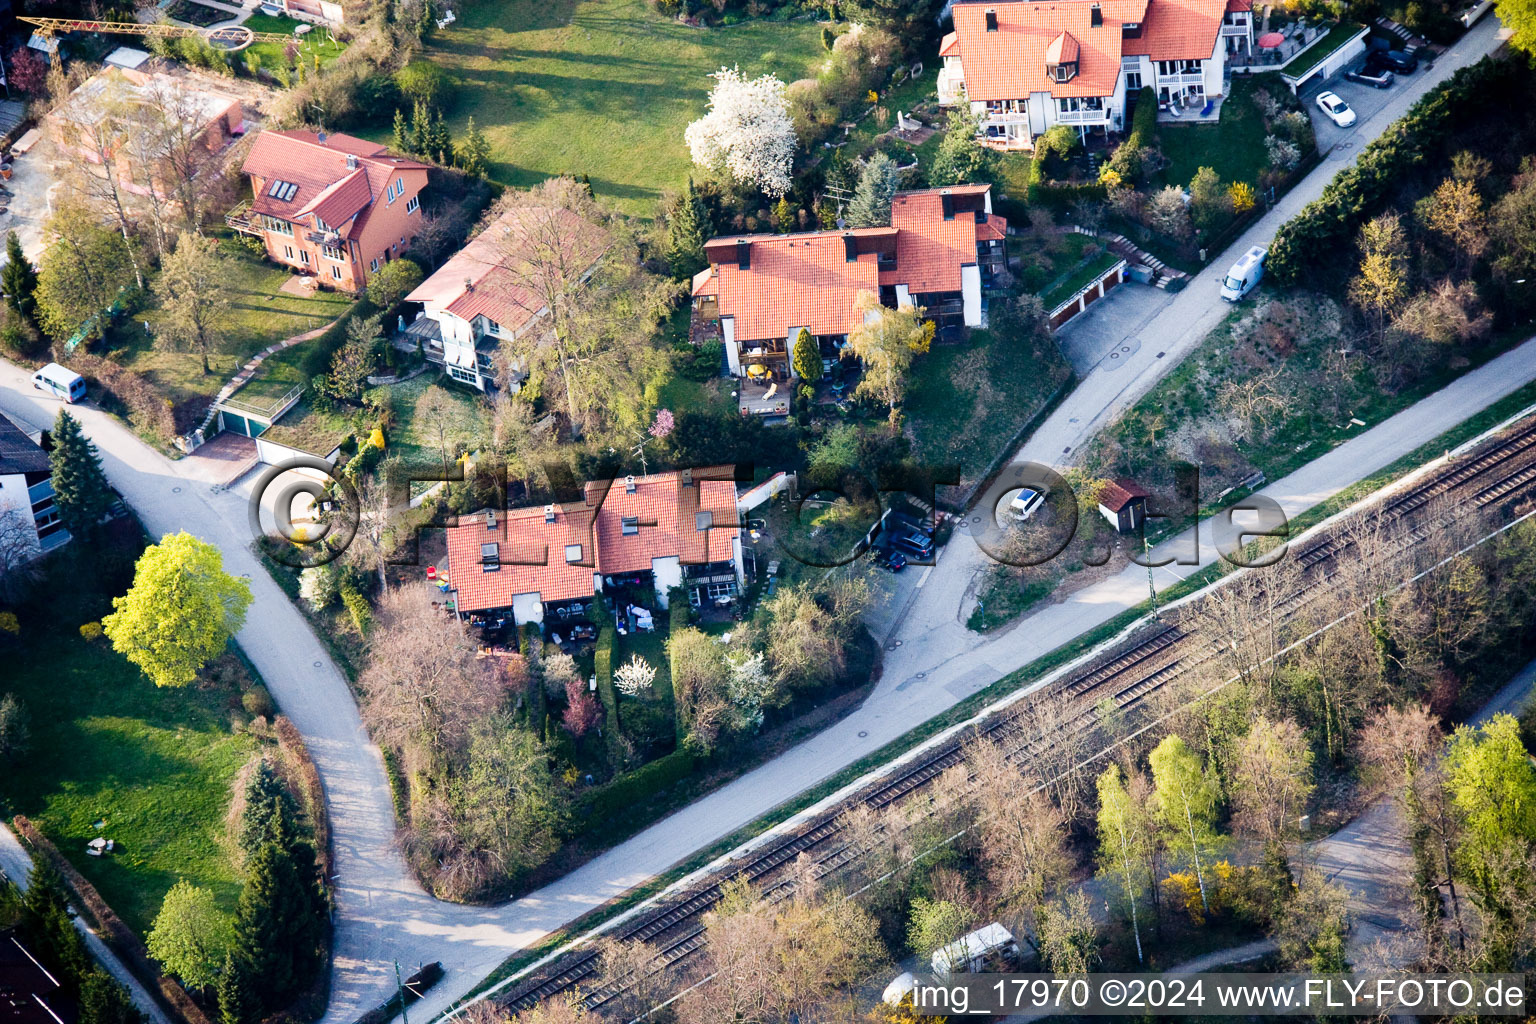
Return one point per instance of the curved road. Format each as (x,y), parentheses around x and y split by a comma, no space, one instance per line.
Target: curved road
(384,916)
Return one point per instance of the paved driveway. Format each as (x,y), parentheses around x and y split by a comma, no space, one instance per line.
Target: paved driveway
(1111,327)
(1366,100)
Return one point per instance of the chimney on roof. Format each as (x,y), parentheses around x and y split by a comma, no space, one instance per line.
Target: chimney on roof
(629,484)
(947,203)
(1095,16)
(743,254)
(850,248)
(469,285)
(549,513)
(991,19)
(687,478)
(490,519)
(351,161)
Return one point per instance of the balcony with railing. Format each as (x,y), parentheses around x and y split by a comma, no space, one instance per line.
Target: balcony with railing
(1100,116)
(242,220)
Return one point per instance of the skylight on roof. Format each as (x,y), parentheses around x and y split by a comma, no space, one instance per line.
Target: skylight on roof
(282,190)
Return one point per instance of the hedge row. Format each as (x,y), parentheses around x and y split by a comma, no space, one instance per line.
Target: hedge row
(291,743)
(635,788)
(677,621)
(105,922)
(602,665)
(1306,246)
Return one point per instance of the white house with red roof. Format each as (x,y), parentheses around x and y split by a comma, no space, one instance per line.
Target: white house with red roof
(639,536)
(482,295)
(940,251)
(333,206)
(1027,65)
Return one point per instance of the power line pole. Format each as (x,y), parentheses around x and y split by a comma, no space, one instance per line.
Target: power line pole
(400,993)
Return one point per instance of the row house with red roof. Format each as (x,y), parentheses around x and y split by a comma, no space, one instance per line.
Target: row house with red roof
(1027,65)
(940,251)
(634,540)
(331,206)
(485,294)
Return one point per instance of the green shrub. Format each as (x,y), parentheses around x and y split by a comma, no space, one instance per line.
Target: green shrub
(635,788)
(357,607)
(602,665)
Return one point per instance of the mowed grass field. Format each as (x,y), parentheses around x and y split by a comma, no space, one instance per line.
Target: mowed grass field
(599,87)
(156,766)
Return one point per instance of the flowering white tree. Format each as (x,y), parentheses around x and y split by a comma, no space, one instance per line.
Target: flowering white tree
(634,675)
(318,586)
(750,685)
(747,132)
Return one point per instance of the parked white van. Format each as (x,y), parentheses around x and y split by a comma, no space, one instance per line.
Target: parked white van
(1245,274)
(60,382)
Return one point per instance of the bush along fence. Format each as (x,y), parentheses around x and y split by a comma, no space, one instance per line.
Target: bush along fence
(291,743)
(1306,246)
(117,935)
(602,666)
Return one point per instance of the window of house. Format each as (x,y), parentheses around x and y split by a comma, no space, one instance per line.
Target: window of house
(715,591)
(490,557)
(413,205)
(460,374)
(304,257)
(492,326)
(282,190)
(288,249)
(336,273)
(631,526)
(280,227)
(321,225)
(374,266)
(332,252)
(572,553)
(703,521)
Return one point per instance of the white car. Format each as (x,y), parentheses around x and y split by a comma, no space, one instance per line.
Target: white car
(1027,502)
(1337,110)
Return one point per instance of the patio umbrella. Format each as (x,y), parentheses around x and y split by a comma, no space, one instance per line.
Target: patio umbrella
(1270,40)
(757,370)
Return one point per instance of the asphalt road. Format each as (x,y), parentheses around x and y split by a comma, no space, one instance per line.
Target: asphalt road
(384,917)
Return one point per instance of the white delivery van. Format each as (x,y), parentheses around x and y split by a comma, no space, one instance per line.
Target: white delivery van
(1245,274)
(60,382)
(990,948)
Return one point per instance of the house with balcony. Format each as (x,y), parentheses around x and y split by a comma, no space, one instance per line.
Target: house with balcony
(330,206)
(1025,66)
(634,540)
(486,293)
(29,519)
(940,252)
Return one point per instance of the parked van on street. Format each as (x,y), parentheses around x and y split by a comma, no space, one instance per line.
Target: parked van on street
(60,382)
(1245,274)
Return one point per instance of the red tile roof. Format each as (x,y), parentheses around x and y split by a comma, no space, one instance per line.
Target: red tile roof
(806,280)
(1239,6)
(1119,493)
(532,553)
(1010,63)
(319,169)
(482,280)
(669,526)
(795,281)
(929,249)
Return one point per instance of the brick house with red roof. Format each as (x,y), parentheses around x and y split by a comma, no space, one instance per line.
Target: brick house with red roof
(333,206)
(1027,65)
(634,539)
(481,296)
(941,250)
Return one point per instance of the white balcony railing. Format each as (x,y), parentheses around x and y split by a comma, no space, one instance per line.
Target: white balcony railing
(1082,116)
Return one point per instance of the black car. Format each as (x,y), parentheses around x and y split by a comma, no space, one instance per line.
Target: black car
(912,543)
(1400,61)
(891,561)
(1381,79)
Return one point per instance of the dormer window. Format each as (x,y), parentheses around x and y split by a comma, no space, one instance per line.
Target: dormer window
(572,554)
(1061,58)
(490,558)
(629,526)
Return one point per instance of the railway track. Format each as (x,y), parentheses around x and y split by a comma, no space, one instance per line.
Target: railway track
(1502,469)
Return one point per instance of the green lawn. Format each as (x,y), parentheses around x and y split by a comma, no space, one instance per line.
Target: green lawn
(414,436)
(598,87)
(317,41)
(966,402)
(260,315)
(1234,146)
(155,765)
(1042,265)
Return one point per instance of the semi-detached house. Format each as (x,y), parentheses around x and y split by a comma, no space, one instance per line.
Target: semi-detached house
(939,252)
(1024,66)
(332,206)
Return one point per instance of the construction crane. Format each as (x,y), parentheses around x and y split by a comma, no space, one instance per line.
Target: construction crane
(229,37)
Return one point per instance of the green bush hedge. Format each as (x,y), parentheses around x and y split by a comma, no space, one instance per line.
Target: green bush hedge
(602,664)
(634,789)
(357,607)
(1306,246)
